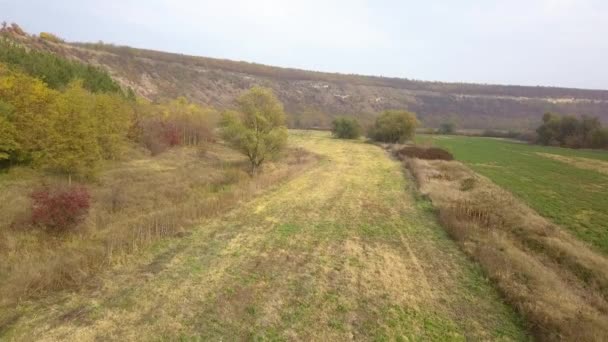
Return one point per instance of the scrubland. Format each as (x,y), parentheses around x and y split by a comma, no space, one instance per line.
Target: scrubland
(135,202)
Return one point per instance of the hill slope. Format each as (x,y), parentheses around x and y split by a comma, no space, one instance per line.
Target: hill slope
(313,98)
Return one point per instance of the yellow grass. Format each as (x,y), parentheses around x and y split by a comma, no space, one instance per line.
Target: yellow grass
(343,251)
(580,162)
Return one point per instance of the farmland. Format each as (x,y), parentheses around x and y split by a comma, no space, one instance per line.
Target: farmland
(567,186)
(342,251)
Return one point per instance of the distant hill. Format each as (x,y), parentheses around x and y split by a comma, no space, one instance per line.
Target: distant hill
(312,98)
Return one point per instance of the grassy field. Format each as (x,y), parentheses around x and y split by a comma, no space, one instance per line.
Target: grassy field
(343,251)
(135,202)
(568,186)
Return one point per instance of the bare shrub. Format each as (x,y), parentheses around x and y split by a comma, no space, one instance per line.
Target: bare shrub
(116,198)
(299,155)
(232,176)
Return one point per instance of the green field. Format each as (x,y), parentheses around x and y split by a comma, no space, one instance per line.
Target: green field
(568,186)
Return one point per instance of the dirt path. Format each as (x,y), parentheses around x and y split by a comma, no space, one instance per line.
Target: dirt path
(341,252)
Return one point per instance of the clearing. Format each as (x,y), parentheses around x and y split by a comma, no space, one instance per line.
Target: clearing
(342,251)
(567,186)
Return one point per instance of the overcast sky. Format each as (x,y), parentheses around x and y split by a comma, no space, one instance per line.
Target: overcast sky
(527,42)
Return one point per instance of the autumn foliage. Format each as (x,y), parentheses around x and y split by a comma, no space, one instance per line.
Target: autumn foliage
(60,209)
(179,122)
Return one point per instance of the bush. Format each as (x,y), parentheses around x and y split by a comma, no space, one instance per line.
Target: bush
(59,209)
(446,128)
(394,126)
(599,139)
(346,128)
(50,37)
(431,153)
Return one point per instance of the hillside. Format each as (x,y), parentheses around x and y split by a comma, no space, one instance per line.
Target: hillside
(313,98)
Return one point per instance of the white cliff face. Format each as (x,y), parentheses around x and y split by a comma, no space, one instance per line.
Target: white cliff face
(343,97)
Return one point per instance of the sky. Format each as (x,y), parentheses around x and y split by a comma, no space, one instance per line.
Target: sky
(526,42)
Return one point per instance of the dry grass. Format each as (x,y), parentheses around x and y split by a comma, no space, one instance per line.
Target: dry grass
(556,281)
(135,203)
(580,162)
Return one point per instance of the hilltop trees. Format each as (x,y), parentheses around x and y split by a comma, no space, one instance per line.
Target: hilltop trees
(55,71)
(258,129)
(570,131)
(394,126)
(346,128)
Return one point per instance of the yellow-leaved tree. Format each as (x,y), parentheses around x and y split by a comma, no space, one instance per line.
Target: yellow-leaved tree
(29,100)
(72,148)
(113,117)
(258,128)
(8,133)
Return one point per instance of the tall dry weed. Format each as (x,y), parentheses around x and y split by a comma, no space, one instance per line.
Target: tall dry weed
(558,283)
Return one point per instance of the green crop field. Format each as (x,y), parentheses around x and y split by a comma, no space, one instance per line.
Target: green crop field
(568,186)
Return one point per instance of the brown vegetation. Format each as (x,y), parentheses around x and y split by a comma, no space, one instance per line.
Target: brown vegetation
(429,153)
(133,204)
(557,282)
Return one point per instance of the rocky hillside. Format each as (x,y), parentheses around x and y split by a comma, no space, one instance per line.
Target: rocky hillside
(314,98)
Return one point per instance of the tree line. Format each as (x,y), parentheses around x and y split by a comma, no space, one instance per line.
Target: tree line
(391,126)
(72,130)
(571,131)
(55,71)
(53,119)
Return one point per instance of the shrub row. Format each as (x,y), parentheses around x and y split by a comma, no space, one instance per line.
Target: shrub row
(431,153)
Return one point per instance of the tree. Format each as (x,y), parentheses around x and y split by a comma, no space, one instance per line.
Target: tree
(190,121)
(599,138)
(258,129)
(570,131)
(113,115)
(446,128)
(71,146)
(549,131)
(25,102)
(394,126)
(346,128)
(8,144)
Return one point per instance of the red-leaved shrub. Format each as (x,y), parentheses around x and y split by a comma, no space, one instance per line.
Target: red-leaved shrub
(172,134)
(59,209)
